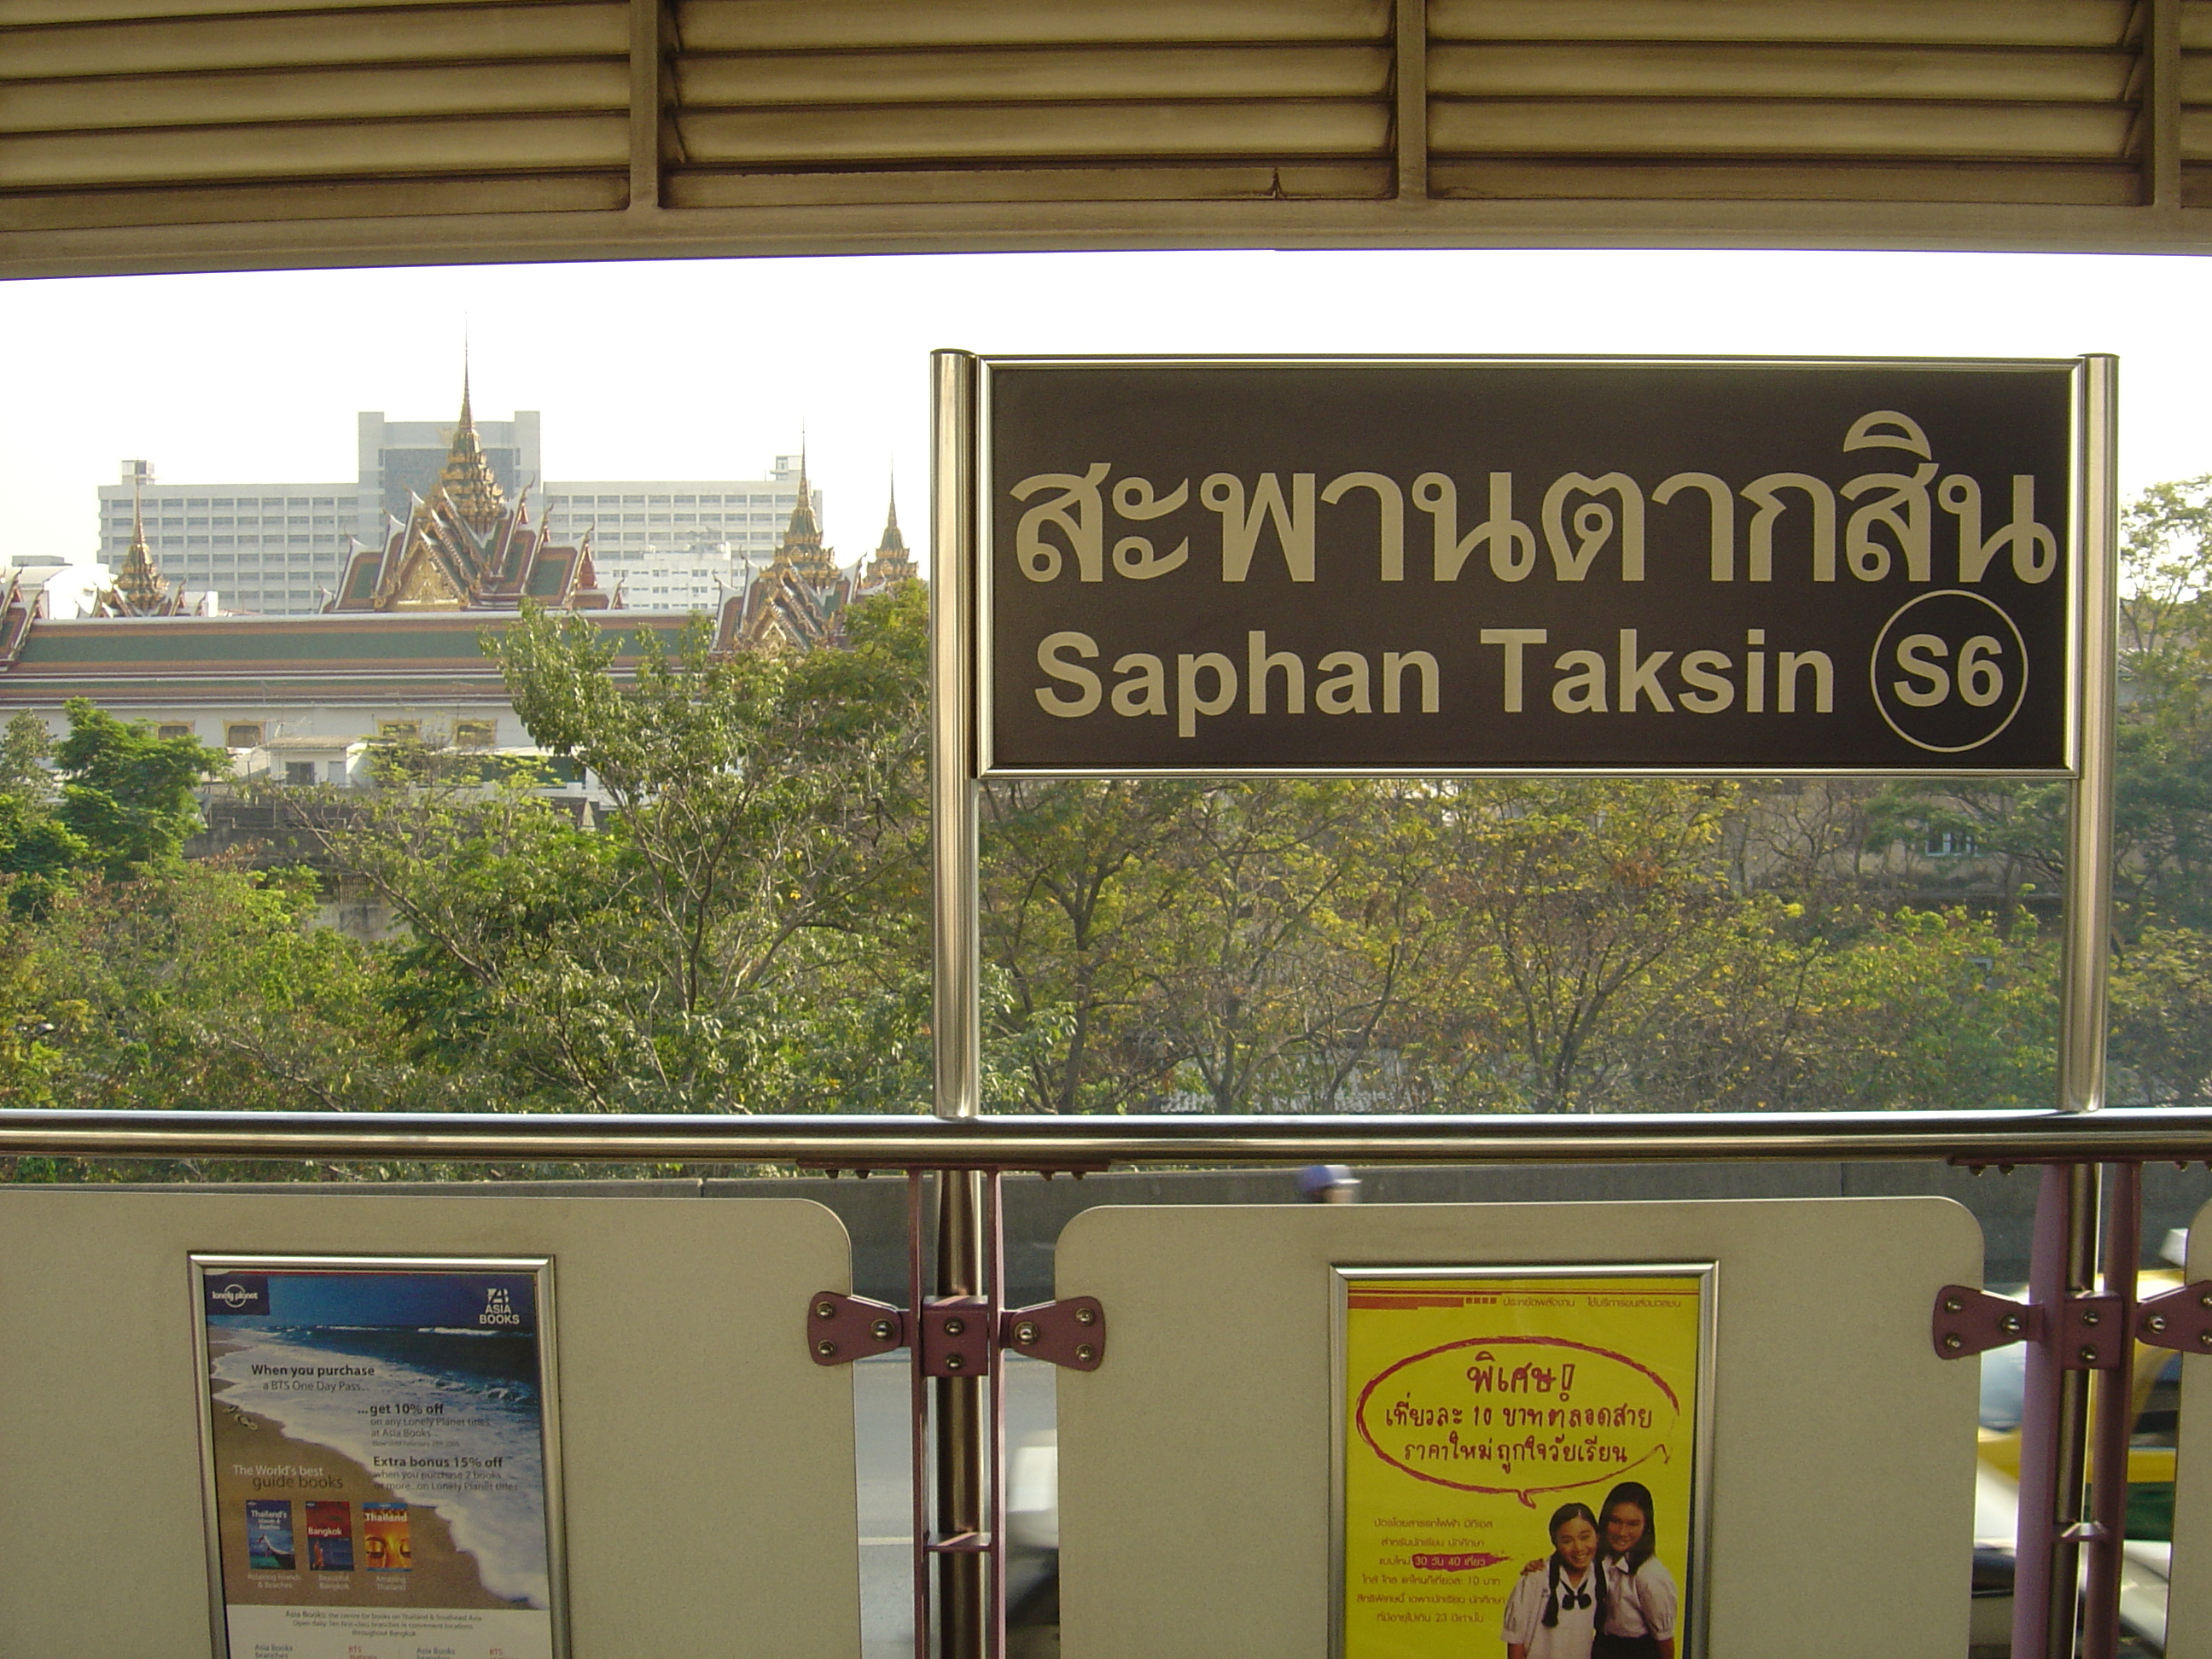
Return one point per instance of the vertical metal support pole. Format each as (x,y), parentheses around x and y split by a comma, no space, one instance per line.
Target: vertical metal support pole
(2113,1412)
(918,1404)
(2055,1414)
(994,1442)
(2054,1422)
(2088,929)
(968,1446)
(962,1456)
(955,1025)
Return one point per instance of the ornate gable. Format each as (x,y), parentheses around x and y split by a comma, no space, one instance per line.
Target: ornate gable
(423,585)
(464,547)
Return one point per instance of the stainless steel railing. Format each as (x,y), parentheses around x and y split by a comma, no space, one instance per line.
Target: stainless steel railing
(1011,1142)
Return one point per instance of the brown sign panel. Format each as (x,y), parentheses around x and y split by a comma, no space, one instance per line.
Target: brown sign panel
(1409,566)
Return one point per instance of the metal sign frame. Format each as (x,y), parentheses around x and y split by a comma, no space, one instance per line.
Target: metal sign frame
(978,553)
(960,756)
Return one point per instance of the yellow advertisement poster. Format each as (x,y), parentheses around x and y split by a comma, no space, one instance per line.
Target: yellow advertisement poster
(1520,1457)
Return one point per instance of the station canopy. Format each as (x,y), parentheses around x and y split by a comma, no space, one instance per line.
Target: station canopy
(176,135)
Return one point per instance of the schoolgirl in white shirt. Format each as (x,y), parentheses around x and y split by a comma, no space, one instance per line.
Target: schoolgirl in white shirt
(1640,1598)
(1556,1613)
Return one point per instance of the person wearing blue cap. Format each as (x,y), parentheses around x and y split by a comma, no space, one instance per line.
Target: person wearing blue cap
(1328,1183)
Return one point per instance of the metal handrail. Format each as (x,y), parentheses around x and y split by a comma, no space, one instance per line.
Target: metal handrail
(1025,1142)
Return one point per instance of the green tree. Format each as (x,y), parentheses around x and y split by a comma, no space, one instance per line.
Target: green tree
(210,987)
(127,795)
(37,852)
(2162,1015)
(1585,911)
(1250,987)
(1076,875)
(744,930)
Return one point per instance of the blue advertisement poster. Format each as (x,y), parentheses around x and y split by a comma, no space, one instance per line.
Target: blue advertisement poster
(382,1474)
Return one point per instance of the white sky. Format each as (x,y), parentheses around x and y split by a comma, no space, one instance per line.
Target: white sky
(708,369)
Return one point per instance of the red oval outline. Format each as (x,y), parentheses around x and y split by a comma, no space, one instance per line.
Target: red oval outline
(1359,1409)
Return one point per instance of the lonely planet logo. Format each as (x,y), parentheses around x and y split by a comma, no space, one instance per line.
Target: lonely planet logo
(241,1294)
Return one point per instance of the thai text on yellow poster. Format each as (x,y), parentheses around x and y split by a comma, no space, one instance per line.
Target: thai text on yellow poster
(1518,1461)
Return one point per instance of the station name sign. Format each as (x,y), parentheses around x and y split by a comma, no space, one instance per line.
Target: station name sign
(1255,566)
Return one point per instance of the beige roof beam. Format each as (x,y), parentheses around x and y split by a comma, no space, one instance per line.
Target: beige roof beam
(1914,23)
(171,44)
(2166,80)
(1411,115)
(142,135)
(849,25)
(650,31)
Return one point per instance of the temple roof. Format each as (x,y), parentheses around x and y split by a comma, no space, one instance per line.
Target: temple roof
(802,551)
(891,562)
(464,548)
(254,660)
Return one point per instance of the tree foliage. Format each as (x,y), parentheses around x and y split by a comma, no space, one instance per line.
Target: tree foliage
(743,929)
(126,794)
(742,923)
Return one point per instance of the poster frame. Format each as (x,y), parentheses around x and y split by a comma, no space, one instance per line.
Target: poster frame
(975,554)
(200,1263)
(1698,1564)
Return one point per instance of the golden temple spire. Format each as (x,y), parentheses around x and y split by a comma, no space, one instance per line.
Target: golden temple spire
(138,512)
(467,481)
(802,515)
(139,590)
(802,551)
(891,562)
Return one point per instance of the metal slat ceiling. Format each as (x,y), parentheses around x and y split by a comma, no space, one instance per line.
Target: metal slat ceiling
(1854,100)
(159,117)
(200,134)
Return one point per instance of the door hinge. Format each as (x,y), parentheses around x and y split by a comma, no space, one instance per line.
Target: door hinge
(960,1335)
(2088,1332)
(2181,1319)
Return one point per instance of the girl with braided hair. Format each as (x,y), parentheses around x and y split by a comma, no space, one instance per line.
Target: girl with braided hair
(1557,1614)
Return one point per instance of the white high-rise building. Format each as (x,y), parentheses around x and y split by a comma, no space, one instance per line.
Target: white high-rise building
(280,549)
(272,547)
(677,546)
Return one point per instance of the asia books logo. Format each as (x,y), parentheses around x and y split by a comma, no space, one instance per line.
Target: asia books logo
(237,1293)
(499,1307)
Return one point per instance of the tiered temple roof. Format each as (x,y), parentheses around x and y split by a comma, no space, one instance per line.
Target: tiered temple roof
(891,563)
(463,548)
(799,602)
